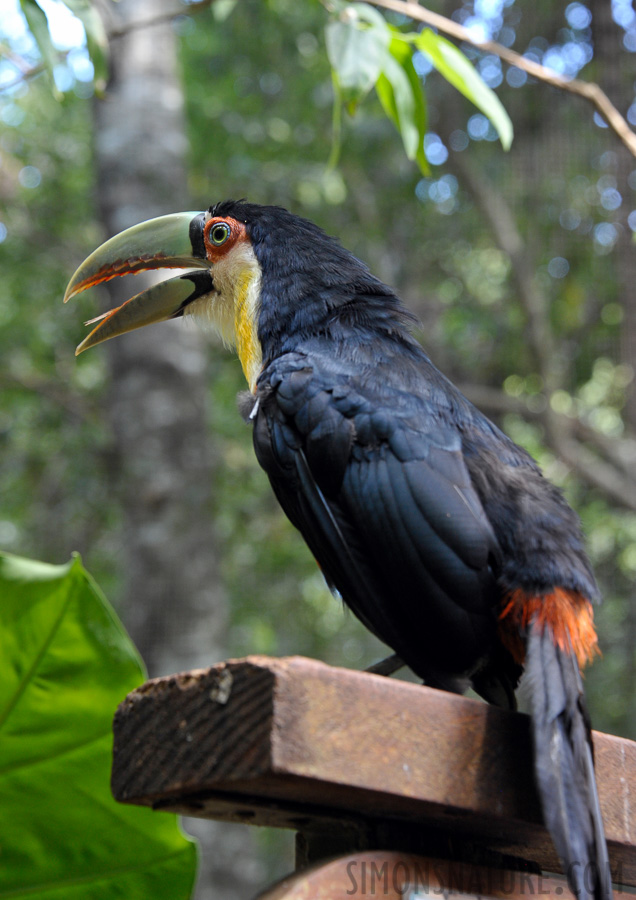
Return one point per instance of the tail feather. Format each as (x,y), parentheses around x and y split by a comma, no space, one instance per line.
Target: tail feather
(564,764)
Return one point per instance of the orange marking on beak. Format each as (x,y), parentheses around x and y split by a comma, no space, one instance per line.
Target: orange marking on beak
(568,615)
(132,266)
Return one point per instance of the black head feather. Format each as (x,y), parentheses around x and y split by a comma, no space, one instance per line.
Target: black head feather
(311,283)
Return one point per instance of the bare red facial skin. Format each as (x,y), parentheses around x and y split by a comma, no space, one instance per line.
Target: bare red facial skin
(237,234)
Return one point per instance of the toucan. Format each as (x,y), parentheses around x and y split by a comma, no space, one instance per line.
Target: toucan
(440,534)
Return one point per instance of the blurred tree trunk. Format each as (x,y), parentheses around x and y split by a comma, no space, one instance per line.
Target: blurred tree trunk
(173,601)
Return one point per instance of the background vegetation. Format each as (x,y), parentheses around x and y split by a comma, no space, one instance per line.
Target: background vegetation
(520,266)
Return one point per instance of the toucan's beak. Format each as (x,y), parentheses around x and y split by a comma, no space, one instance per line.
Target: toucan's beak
(174,242)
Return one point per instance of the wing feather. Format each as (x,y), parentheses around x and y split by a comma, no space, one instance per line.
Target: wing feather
(388,511)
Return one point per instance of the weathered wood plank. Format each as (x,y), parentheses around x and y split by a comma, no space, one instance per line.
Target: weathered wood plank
(295,743)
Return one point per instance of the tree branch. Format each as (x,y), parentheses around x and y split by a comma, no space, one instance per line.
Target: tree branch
(26,71)
(618,487)
(182,10)
(612,475)
(506,234)
(52,392)
(620,452)
(588,90)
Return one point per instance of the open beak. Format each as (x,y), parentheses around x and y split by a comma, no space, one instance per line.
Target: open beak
(168,242)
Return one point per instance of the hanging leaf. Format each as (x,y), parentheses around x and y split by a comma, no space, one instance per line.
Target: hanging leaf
(39,27)
(370,15)
(402,98)
(459,71)
(336,124)
(66,662)
(356,46)
(223,9)
(96,38)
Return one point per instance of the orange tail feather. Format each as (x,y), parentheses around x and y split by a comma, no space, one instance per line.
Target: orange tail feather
(567,614)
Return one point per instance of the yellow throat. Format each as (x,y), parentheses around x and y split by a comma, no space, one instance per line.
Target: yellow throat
(248,345)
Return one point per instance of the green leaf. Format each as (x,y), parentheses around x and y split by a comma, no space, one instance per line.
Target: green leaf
(371,15)
(400,93)
(336,125)
(39,27)
(458,71)
(66,662)
(96,38)
(223,9)
(356,48)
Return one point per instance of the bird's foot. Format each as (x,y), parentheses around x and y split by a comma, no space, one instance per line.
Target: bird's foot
(386,666)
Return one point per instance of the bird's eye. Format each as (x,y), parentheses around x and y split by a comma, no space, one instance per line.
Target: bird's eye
(219,233)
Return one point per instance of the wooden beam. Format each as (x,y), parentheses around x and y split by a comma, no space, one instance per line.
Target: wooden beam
(299,744)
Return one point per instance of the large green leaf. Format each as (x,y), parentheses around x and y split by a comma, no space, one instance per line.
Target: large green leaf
(65,663)
(458,71)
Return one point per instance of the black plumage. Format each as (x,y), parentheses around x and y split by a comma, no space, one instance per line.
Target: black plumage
(422,514)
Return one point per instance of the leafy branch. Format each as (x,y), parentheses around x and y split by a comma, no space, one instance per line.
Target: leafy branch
(588,90)
(600,463)
(366,52)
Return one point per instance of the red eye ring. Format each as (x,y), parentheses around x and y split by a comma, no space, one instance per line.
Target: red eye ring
(216,233)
